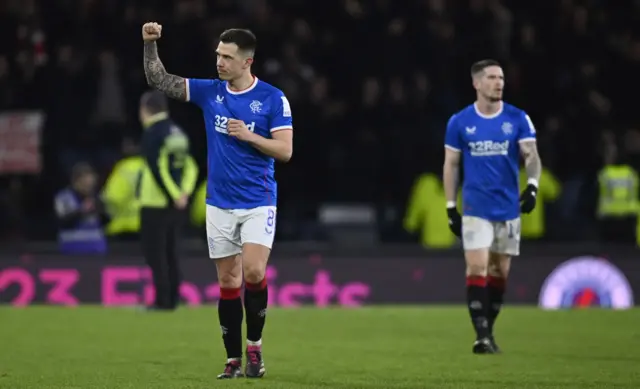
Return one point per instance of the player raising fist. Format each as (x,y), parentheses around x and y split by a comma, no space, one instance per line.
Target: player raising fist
(489,137)
(249,125)
(151,32)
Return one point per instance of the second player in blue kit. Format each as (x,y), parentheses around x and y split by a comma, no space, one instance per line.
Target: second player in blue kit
(249,126)
(488,138)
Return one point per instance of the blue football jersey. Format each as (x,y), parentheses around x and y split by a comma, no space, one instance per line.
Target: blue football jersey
(490,159)
(238,175)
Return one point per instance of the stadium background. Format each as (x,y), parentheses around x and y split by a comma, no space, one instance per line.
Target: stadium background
(371,84)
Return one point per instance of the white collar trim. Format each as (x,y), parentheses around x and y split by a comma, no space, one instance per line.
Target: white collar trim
(485,116)
(249,89)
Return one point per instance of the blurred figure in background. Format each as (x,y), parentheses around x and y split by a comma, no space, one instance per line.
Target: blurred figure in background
(119,193)
(533,225)
(12,209)
(618,196)
(424,216)
(80,214)
(198,212)
(477,139)
(168,180)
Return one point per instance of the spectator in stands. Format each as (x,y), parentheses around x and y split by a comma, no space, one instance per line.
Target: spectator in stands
(81,214)
(79,63)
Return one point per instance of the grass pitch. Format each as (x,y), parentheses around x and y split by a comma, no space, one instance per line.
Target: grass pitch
(413,347)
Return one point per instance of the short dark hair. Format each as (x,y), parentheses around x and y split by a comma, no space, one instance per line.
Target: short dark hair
(479,66)
(243,38)
(154,102)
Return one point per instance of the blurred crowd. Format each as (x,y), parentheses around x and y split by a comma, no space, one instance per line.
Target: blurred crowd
(371,83)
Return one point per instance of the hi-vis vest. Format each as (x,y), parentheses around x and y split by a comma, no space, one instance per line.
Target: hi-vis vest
(533,225)
(426,213)
(86,236)
(119,195)
(199,206)
(618,191)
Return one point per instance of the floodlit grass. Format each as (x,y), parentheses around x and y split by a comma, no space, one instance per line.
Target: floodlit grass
(390,347)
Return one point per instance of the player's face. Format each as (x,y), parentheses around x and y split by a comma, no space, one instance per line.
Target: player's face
(490,83)
(231,62)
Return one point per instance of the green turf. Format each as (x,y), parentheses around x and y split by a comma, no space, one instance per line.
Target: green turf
(426,347)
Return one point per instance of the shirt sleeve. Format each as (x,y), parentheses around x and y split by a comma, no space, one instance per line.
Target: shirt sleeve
(64,205)
(527,131)
(68,211)
(199,90)
(280,118)
(452,139)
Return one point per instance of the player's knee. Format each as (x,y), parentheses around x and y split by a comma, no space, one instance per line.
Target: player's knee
(499,265)
(497,271)
(254,269)
(229,272)
(254,274)
(254,262)
(477,262)
(476,269)
(229,279)
(494,270)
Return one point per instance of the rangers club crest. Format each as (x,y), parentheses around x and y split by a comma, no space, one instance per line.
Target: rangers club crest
(585,282)
(507,128)
(256,106)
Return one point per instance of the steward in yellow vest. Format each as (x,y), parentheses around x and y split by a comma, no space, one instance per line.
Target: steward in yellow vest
(618,203)
(424,213)
(533,224)
(199,206)
(168,180)
(119,194)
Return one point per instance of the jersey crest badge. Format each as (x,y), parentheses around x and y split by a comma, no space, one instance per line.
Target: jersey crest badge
(507,128)
(256,106)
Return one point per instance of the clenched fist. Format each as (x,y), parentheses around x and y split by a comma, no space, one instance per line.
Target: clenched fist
(239,130)
(151,32)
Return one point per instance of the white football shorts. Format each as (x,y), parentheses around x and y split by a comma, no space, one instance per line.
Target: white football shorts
(498,237)
(229,229)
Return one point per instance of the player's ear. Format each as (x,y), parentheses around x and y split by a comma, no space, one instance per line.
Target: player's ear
(248,62)
(475,80)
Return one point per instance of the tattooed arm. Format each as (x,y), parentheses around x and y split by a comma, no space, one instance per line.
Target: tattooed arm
(532,163)
(157,76)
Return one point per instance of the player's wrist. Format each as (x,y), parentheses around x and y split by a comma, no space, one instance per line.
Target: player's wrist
(253,138)
(451,205)
(533,181)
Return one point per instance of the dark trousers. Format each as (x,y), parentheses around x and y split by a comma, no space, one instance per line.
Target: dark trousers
(126,237)
(160,233)
(620,230)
